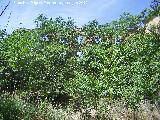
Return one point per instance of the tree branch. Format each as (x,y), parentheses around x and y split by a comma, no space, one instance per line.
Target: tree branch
(5,8)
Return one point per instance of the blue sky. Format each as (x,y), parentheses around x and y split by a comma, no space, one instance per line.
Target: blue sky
(82,11)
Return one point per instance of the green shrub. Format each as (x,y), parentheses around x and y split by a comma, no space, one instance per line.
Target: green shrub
(118,61)
(13,108)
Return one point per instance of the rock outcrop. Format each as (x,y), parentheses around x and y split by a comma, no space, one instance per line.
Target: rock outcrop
(154,23)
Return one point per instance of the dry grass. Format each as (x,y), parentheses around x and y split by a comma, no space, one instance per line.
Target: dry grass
(105,111)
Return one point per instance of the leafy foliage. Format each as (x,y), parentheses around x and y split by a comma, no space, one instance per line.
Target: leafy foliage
(118,60)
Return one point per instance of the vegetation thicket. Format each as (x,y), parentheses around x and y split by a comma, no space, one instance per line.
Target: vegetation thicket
(60,65)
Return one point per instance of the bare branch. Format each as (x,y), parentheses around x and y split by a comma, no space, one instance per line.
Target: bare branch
(5,8)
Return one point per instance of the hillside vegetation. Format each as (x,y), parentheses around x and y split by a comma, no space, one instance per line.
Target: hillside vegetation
(58,71)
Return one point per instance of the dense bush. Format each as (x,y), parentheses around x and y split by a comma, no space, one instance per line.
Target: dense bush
(117,61)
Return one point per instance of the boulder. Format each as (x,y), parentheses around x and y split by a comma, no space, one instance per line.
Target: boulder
(154,23)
